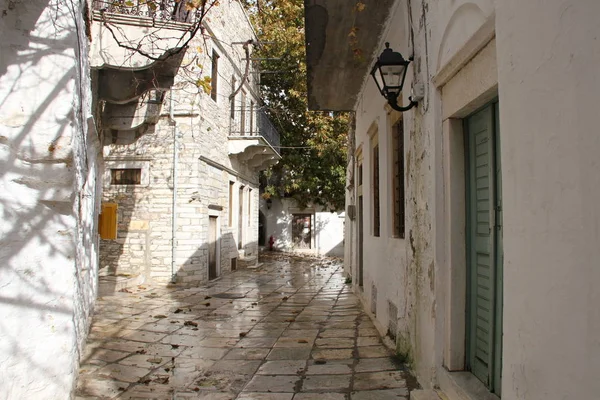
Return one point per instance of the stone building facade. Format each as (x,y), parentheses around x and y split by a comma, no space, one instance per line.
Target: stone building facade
(50,159)
(190,138)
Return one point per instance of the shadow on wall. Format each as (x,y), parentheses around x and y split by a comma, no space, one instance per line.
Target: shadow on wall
(47,199)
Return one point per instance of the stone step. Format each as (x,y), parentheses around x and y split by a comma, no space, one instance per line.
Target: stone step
(424,395)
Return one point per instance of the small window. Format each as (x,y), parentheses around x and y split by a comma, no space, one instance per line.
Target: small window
(126,176)
(214,76)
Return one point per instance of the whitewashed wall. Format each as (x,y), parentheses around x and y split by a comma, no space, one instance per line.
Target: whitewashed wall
(327,228)
(541,66)
(48,191)
(549,84)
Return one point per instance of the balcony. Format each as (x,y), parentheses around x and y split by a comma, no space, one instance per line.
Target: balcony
(253,139)
(145,12)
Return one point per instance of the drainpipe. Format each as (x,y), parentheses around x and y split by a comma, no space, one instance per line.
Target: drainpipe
(174,208)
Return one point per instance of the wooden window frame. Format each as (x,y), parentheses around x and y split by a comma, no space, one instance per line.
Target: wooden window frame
(398,181)
(125,176)
(375,185)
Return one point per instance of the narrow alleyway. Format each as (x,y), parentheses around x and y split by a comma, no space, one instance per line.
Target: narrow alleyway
(291,329)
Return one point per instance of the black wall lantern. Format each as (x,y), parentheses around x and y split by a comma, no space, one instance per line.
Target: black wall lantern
(389,73)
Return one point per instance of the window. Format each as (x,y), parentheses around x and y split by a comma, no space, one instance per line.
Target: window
(360,174)
(243,114)
(241,217)
(375,169)
(232,111)
(126,176)
(126,172)
(398,179)
(214,76)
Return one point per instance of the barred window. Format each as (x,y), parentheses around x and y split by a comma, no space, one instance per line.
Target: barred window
(126,176)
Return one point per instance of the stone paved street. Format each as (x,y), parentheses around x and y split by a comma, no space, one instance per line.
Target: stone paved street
(291,329)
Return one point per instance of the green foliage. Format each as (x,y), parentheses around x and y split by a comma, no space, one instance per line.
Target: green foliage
(313,143)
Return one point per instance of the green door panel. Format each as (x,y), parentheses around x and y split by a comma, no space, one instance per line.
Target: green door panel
(483,248)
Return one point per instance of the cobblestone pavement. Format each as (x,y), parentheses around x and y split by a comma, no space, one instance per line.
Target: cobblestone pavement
(291,329)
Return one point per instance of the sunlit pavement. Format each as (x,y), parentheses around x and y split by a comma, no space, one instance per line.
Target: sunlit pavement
(291,329)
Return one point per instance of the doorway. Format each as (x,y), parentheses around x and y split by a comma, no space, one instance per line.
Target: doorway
(241,218)
(212,248)
(360,218)
(484,246)
(301,231)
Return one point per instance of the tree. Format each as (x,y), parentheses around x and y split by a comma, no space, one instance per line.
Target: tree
(313,144)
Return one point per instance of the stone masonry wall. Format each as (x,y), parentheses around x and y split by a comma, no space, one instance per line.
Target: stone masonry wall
(143,246)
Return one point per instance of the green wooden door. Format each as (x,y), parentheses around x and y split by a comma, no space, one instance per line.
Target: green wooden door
(484,316)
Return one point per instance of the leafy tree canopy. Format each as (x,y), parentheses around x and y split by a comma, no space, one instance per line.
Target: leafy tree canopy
(313,165)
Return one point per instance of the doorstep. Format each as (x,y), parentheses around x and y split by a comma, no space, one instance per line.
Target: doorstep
(425,395)
(462,385)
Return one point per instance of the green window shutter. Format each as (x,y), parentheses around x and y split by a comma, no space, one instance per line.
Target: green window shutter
(482,286)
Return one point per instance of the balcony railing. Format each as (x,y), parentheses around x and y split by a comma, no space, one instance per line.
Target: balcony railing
(254,123)
(163,10)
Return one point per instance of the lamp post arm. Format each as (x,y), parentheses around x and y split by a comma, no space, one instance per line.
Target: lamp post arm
(393,102)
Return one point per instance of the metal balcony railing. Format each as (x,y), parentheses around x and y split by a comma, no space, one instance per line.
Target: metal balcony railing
(164,10)
(254,123)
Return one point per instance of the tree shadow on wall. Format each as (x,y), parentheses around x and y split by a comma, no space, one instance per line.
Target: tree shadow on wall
(49,156)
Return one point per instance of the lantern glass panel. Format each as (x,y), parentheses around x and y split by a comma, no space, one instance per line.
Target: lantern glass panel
(393,76)
(378,80)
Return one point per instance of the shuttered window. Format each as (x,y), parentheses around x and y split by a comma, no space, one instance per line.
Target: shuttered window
(376,207)
(398,179)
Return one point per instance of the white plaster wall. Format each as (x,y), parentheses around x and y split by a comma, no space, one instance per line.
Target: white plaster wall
(403,270)
(549,85)
(327,227)
(411,273)
(49,161)
(546,52)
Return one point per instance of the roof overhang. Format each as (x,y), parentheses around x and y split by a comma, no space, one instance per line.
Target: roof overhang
(338,62)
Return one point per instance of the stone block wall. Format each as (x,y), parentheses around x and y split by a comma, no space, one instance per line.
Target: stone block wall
(205,169)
